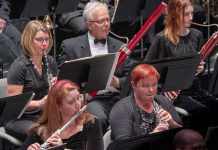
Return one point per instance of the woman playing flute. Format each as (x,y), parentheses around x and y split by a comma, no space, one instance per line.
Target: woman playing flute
(64,101)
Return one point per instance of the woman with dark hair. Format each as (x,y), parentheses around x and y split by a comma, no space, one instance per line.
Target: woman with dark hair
(64,101)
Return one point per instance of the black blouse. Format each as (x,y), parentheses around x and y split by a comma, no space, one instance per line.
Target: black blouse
(188,45)
(90,138)
(22,72)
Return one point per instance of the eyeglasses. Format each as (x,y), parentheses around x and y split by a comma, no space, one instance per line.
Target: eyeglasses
(41,39)
(102,21)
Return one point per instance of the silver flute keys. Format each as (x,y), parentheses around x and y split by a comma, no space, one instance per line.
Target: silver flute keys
(45,144)
(49,74)
(156,110)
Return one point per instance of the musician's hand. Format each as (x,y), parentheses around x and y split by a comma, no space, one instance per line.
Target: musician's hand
(115,82)
(164,115)
(55,139)
(160,127)
(54,80)
(2,25)
(42,102)
(172,95)
(34,146)
(200,68)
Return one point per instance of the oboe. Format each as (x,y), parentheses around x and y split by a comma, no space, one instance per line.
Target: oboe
(48,72)
(45,144)
(156,110)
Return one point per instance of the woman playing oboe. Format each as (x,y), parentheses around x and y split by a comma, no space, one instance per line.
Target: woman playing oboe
(143,112)
(63,103)
(29,73)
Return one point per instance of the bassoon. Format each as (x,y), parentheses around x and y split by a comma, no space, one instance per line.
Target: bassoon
(209,46)
(126,49)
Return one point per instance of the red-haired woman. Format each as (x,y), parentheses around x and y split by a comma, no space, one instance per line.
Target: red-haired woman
(64,101)
(179,39)
(143,112)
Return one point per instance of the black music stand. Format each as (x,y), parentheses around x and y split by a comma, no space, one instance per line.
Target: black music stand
(90,73)
(176,73)
(14,106)
(211,140)
(35,8)
(213,86)
(155,141)
(127,10)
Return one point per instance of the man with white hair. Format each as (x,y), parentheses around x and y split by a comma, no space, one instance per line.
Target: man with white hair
(97,42)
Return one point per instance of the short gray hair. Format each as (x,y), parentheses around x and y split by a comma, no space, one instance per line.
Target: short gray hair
(90,6)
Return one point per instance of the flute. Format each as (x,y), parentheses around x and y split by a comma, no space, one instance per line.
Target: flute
(45,144)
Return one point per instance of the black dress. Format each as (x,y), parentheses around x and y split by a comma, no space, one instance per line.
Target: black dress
(90,138)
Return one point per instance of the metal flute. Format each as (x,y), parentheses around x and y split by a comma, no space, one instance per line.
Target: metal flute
(45,144)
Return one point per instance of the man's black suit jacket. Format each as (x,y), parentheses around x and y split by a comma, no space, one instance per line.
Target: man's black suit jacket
(78,47)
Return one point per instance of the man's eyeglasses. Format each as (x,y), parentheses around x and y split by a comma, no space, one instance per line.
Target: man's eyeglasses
(41,39)
(102,21)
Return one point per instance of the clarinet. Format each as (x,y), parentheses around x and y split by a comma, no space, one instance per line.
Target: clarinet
(48,73)
(45,144)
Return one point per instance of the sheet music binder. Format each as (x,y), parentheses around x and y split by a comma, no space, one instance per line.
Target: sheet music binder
(176,73)
(35,8)
(13,107)
(90,73)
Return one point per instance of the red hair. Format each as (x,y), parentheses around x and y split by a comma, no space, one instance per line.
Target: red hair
(51,120)
(142,71)
(175,11)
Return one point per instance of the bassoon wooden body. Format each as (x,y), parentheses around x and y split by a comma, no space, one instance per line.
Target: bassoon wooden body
(127,49)
(209,46)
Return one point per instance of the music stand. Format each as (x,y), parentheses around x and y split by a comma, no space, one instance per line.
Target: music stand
(35,8)
(13,107)
(213,86)
(156,141)
(211,140)
(176,73)
(127,10)
(90,73)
